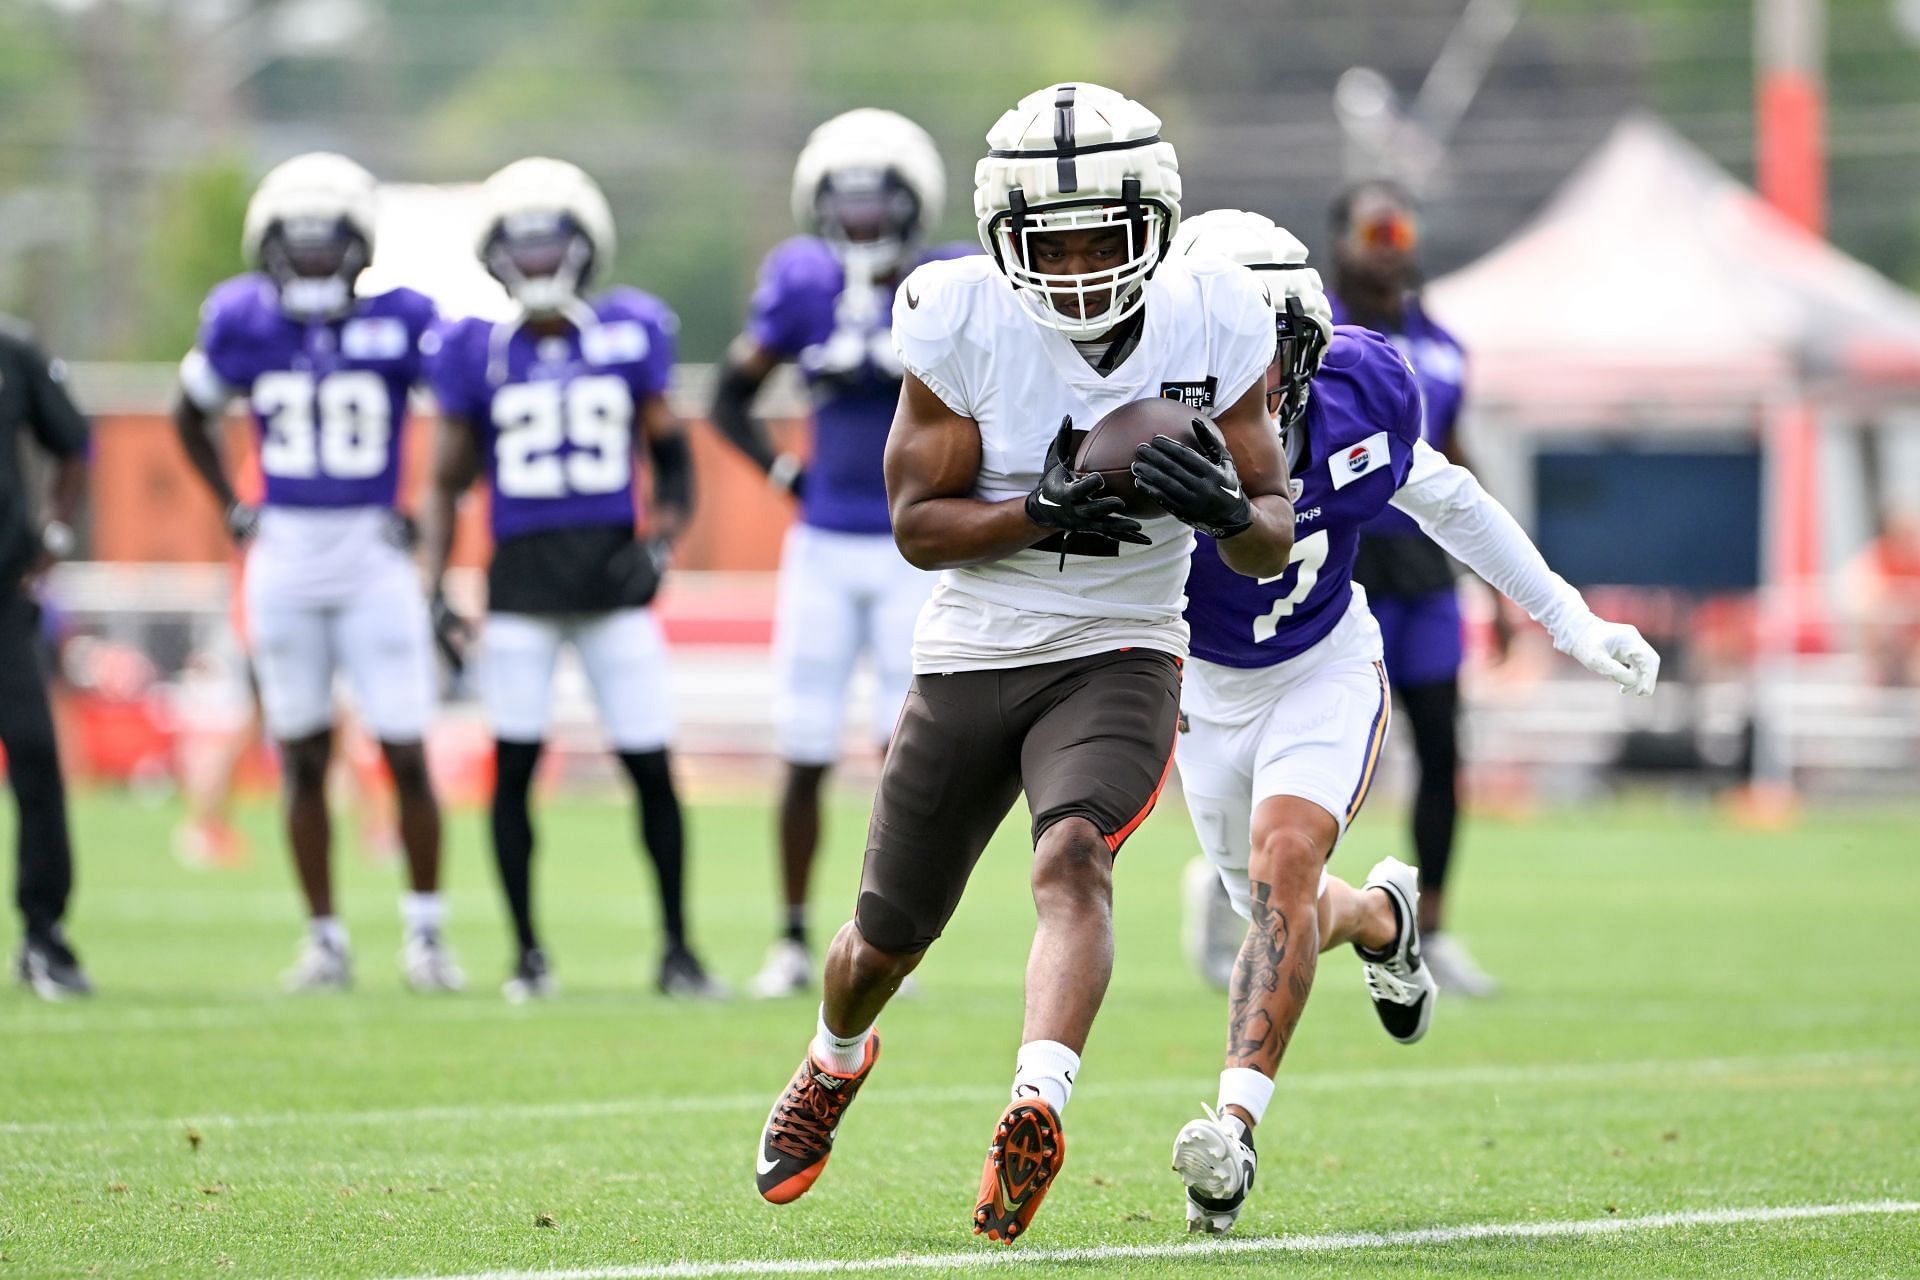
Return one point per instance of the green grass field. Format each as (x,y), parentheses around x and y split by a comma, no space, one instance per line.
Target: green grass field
(1697,1019)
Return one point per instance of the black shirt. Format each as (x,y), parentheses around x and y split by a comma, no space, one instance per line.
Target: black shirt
(32,393)
(590,569)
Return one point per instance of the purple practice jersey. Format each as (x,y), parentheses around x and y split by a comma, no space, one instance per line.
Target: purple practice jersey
(1362,420)
(554,415)
(1440,363)
(841,339)
(328,396)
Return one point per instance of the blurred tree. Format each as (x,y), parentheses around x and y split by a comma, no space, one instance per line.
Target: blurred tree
(193,244)
(40,103)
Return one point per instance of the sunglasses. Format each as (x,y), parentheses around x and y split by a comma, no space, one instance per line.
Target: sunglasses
(1391,230)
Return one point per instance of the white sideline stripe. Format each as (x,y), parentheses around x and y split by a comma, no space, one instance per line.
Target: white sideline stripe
(1238,1247)
(1300,1082)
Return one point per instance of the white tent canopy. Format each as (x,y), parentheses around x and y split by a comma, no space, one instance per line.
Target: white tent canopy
(1652,275)
(425,239)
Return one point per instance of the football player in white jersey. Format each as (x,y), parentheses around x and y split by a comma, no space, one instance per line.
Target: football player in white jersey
(1286,696)
(866,188)
(330,586)
(1048,659)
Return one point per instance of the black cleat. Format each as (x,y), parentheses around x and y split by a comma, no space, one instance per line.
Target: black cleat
(531,979)
(1400,985)
(47,964)
(682,974)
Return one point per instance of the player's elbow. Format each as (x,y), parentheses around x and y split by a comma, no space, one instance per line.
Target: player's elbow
(918,543)
(917,552)
(1262,551)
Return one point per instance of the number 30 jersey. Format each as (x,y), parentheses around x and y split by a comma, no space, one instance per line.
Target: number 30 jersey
(328,396)
(1361,424)
(555,414)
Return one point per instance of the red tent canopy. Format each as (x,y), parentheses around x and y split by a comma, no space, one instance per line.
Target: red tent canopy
(1653,276)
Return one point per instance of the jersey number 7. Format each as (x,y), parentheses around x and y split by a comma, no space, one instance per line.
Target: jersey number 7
(1309,554)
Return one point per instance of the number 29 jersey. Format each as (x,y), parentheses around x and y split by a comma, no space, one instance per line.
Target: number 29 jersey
(554,414)
(1362,421)
(328,396)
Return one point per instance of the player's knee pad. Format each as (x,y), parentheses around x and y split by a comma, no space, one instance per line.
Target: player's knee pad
(887,928)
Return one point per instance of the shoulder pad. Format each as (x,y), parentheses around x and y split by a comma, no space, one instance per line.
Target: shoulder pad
(408,304)
(938,298)
(805,261)
(624,303)
(1376,380)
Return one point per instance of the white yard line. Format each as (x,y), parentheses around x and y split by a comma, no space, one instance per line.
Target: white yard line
(1516,1076)
(1344,1242)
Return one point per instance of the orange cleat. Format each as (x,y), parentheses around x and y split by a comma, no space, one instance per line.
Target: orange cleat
(799,1135)
(1027,1152)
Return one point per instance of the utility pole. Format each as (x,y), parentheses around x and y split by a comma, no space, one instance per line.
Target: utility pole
(1790,164)
(1790,108)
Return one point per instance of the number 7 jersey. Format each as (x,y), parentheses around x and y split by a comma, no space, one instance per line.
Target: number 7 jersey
(1362,421)
(554,415)
(328,396)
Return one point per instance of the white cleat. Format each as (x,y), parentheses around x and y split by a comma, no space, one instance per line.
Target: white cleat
(1215,1158)
(1398,981)
(1454,969)
(788,971)
(428,963)
(1210,931)
(322,966)
(531,980)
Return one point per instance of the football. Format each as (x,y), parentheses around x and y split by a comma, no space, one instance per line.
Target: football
(1108,449)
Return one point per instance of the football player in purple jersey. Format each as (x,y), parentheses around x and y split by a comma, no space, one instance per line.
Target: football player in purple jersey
(330,585)
(867,186)
(1286,697)
(552,407)
(1409,580)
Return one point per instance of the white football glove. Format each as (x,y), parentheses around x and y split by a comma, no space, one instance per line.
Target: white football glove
(1616,651)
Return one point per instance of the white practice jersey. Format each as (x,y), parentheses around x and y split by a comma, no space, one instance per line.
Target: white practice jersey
(1208,335)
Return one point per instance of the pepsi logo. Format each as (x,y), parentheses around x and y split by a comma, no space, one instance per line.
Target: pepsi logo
(1357,459)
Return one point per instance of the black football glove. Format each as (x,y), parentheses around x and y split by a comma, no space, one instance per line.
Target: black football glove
(243,521)
(452,633)
(401,532)
(1196,486)
(1076,503)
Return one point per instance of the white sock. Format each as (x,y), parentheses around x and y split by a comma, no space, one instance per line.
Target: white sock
(1247,1089)
(423,912)
(328,931)
(1046,1067)
(842,1055)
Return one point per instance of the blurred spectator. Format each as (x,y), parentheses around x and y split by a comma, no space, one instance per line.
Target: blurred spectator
(1409,580)
(32,396)
(1883,596)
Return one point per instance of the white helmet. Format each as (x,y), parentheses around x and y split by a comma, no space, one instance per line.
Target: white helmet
(1300,306)
(869,182)
(1073,157)
(309,227)
(546,233)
